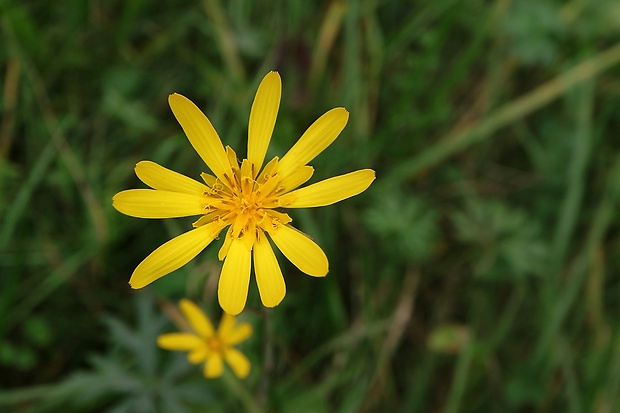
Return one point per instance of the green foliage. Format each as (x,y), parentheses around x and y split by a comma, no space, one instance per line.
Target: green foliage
(535,29)
(479,273)
(132,376)
(507,240)
(405,226)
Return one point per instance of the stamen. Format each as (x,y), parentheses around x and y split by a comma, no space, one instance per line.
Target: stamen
(231,183)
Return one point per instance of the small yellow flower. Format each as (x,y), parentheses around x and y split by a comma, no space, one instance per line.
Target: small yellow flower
(243,196)
(209,346)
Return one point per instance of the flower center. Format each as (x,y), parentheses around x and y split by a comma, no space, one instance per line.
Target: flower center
(215,345)
(246,200)
(247,203)
(252,203)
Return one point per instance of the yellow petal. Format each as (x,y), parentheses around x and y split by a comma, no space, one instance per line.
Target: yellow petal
(268,189)
(268,274)
(318,137)
(226,327)
(247,177)
(304,253)
(208,218)
(234,281)
(196,318)
(232,333)
(239,363)
(214,367)
(158,177)
(179,341)
(198,355)
(240,333)
(149,203)
(299,177)
(221,254)
(263,118)
(173,255)
(201,134)
(208,178)
(268,171)
(329,191)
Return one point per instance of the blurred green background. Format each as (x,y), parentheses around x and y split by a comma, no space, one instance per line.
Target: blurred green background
(479,273)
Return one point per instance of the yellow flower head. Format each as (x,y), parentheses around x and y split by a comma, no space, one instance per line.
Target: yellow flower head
(244,196)
(205,345)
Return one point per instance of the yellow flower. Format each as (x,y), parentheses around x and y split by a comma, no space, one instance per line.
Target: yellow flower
(209,346)
(243,197)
